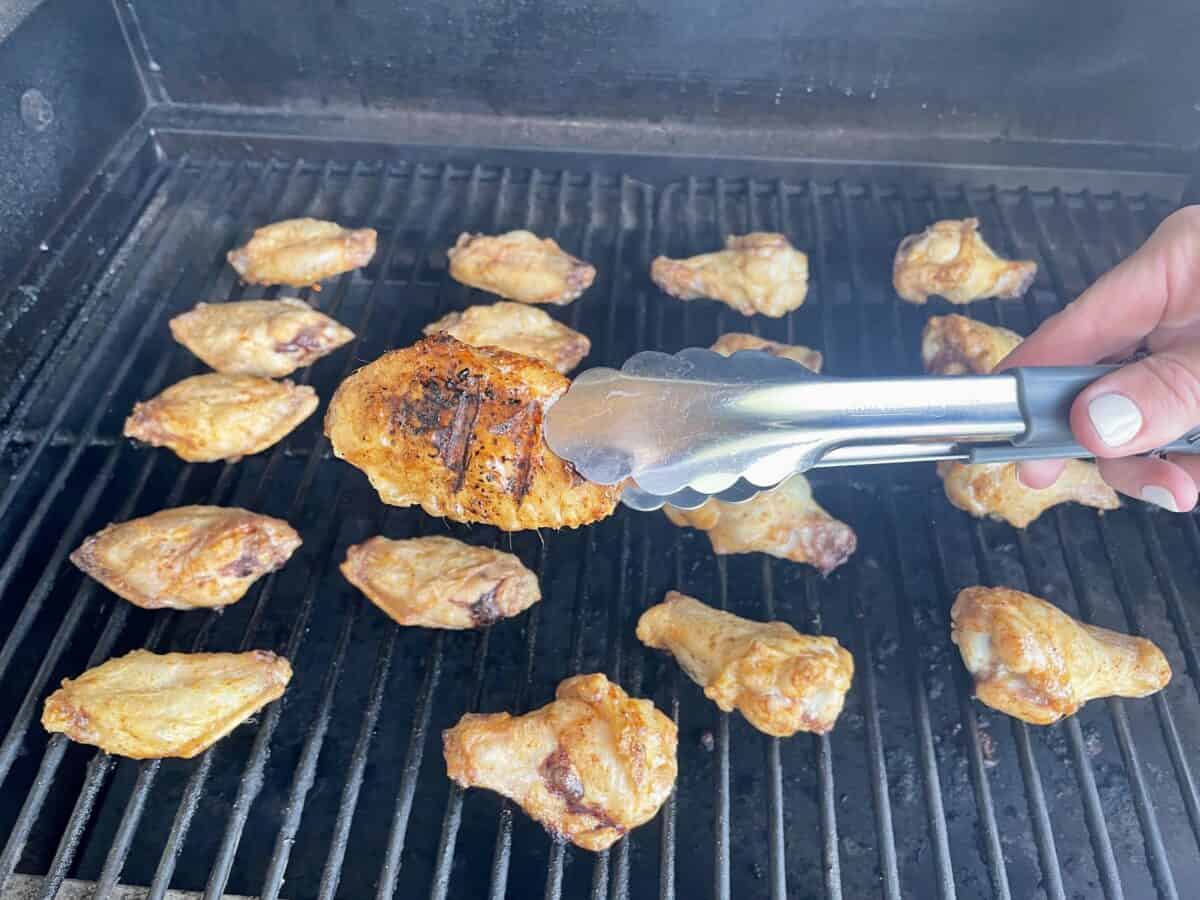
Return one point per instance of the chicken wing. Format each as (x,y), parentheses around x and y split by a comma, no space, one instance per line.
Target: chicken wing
(517,328)
(785,522)
(589,766)
(956,345)
(1033,661)
(148,705)
(733,341)
(782,681)
(457,430)
(950,259)
(191,557)
(206,418)
(271,338)
(520,266)
(300,252)
(438,582)
(759,272)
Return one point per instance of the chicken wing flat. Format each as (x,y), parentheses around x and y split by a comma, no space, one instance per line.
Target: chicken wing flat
(956,345)
(1033,661)
(517,328)
(759,272)
(149,705)
(300,252)
(438,582)
(951,260)
(786,522)
(589,766)
(206,418)
(782,681)
(520,266)
(457,430)
(191,557)
(733,341)
(271,338)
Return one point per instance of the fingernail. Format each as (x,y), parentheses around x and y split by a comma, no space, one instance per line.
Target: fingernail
(1160,496)
(1116,418)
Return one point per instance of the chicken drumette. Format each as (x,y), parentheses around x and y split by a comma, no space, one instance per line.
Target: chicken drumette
(518,328)
(300,252)
(733,341)
(520,266)
(951,260)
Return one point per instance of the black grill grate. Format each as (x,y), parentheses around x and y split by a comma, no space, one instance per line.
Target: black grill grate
(339,790)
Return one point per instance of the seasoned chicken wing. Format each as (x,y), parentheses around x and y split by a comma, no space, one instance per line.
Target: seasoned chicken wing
(517,328)
(438,582)
(1033,661)
(759,272)
(589,766)
(786,522)
(782,681)
(271,338)
(950,259)
(956,345)
(458,430)
(149,705)
(733,341)
(300,252)
(520,266)
(210,417)
(190,557)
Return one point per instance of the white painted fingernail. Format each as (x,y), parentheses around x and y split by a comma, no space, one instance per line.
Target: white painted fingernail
(1116,419)
(1160,496)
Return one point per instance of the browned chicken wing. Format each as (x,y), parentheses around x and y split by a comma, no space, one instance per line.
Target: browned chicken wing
(956,345)
(589,766)
(786,522)
(148,705)
(520,266)
(733,341)
(300,252)
(782,681)
(1033,661)
(191,557)
(517,328)
(206,418)
(951,260)
(458,430)
(759,272)
(438,582)
(271,338)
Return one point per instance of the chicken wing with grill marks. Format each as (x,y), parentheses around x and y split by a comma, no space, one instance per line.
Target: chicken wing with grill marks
(458,430)
(733,341)
(782,681)
(517,328)
(589,766)
(1033,661)
(300,252)
(520,266)
(951,260)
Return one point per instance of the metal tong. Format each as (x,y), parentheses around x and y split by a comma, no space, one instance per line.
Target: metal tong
(682,428)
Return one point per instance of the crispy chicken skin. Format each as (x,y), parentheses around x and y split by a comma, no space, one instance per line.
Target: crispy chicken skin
(149,705)
(589,766)
(438,582)
(950,259)
(782,681)
(733,341)
(271,338)
(190,557)
(1033,661)
(520,266)
(211,417)
(759,272)
(785,522)
(956,345)
(517,328)
(457,430)
(300,252)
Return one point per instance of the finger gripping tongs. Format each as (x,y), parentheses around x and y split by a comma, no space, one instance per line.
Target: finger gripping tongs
(682,428)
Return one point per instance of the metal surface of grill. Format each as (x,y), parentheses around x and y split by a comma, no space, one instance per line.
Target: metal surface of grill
(339,789)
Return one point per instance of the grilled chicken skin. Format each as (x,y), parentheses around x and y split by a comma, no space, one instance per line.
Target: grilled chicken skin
(457,430)
(520,266)
(300,252)
(589,766)
(759,272)
(148,705)
(733,341)
(957,345)
(190,557)
(517,328)
(782,681)
(1033,661)
(951,259)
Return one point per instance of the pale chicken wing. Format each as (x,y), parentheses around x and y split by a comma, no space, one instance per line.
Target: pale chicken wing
(520,266)
(950,259)
(782,681)
(517,328)
(148,705)
(190,557)
(1031,660)
(589,766)
(733,341)
(300,252)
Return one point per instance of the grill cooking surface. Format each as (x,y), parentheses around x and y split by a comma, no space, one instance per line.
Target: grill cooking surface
(339,790)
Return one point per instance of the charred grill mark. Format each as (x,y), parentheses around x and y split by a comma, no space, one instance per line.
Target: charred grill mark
(307,340)
(456,450)
(484,611)
(527,448)
(562,780)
